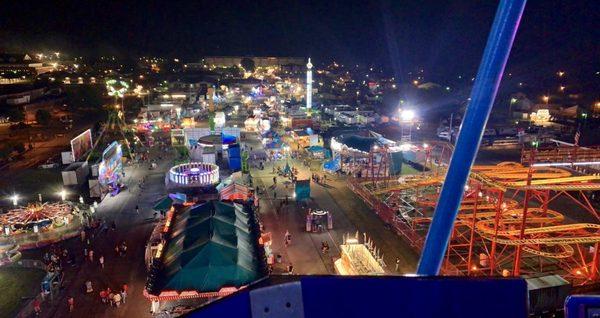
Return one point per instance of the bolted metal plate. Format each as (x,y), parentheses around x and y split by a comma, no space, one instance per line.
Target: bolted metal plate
(283,300)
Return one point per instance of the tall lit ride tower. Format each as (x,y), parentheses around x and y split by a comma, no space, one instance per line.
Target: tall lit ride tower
(308,85)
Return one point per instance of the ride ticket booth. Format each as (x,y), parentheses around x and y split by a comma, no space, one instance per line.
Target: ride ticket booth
(318,221)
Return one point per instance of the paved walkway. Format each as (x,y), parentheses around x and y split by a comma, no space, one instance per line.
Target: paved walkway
(131,227)
(349,213)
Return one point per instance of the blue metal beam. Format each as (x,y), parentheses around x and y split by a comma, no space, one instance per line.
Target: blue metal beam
(484,92)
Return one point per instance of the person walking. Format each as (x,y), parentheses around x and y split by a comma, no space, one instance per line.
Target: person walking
(137,209)
(123,249)
(91,255)
(82,235)
(88,287)
(290,269)
(117,300)
(124,292)
(37,307)
(103,296)
(71,303)
(397,264)
(101,260)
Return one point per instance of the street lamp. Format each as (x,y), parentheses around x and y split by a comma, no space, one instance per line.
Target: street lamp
(546,99)
(15,199)
(63,194)
(407,115)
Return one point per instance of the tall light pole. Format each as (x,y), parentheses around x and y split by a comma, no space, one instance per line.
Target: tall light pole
(308,85)
(63,195)
(15,199)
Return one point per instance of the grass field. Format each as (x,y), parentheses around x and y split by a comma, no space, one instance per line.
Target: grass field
(15,284)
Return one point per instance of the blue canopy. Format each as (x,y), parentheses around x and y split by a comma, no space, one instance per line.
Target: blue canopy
(333,165)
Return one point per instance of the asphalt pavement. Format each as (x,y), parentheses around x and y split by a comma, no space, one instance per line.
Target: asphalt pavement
(350,214)
(132,228)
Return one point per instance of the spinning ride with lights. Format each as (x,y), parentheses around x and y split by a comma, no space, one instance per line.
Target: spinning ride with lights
(40,224)
(193,174)
(37,216)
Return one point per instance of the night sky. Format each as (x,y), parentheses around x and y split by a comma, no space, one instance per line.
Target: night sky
(443,37)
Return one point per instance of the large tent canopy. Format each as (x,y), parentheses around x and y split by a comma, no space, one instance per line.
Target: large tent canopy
(211,247)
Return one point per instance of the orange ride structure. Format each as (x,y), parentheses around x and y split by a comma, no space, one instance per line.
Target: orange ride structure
(513,220)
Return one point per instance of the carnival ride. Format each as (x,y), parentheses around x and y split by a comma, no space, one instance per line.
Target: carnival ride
(39,224)
(505,225)
(193,174)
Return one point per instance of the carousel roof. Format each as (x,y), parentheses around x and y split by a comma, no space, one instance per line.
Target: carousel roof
(35,213)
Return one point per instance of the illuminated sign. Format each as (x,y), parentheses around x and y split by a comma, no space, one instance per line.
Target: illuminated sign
(81,144)
(111,167)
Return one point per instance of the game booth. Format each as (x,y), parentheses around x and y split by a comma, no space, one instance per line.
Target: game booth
(235,187)
(333,165)
(275,148)
(305,137)
(359,258)
(318,221)
(251,124)
(302,190)
(318,152)
(210,147)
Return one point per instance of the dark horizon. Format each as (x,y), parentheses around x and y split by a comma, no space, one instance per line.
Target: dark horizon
(443,39)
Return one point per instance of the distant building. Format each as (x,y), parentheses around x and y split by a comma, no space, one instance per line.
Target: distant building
(22,63)
(259,61)
(20,94)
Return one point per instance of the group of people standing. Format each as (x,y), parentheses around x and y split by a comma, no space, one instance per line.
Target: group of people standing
(114,298)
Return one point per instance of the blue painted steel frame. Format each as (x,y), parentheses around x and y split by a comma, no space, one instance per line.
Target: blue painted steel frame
(577,306)
(484,92)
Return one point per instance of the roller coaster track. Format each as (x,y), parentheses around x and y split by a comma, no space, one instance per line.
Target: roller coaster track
(504,176)
(544,234)
(414,182)
(543,178)
(430,200)
(564,235)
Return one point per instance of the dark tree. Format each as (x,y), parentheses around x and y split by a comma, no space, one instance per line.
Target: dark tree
(248,64)
(84,96)
(42,117)
(15,114)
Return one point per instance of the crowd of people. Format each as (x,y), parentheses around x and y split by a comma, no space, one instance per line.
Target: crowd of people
(114,298)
